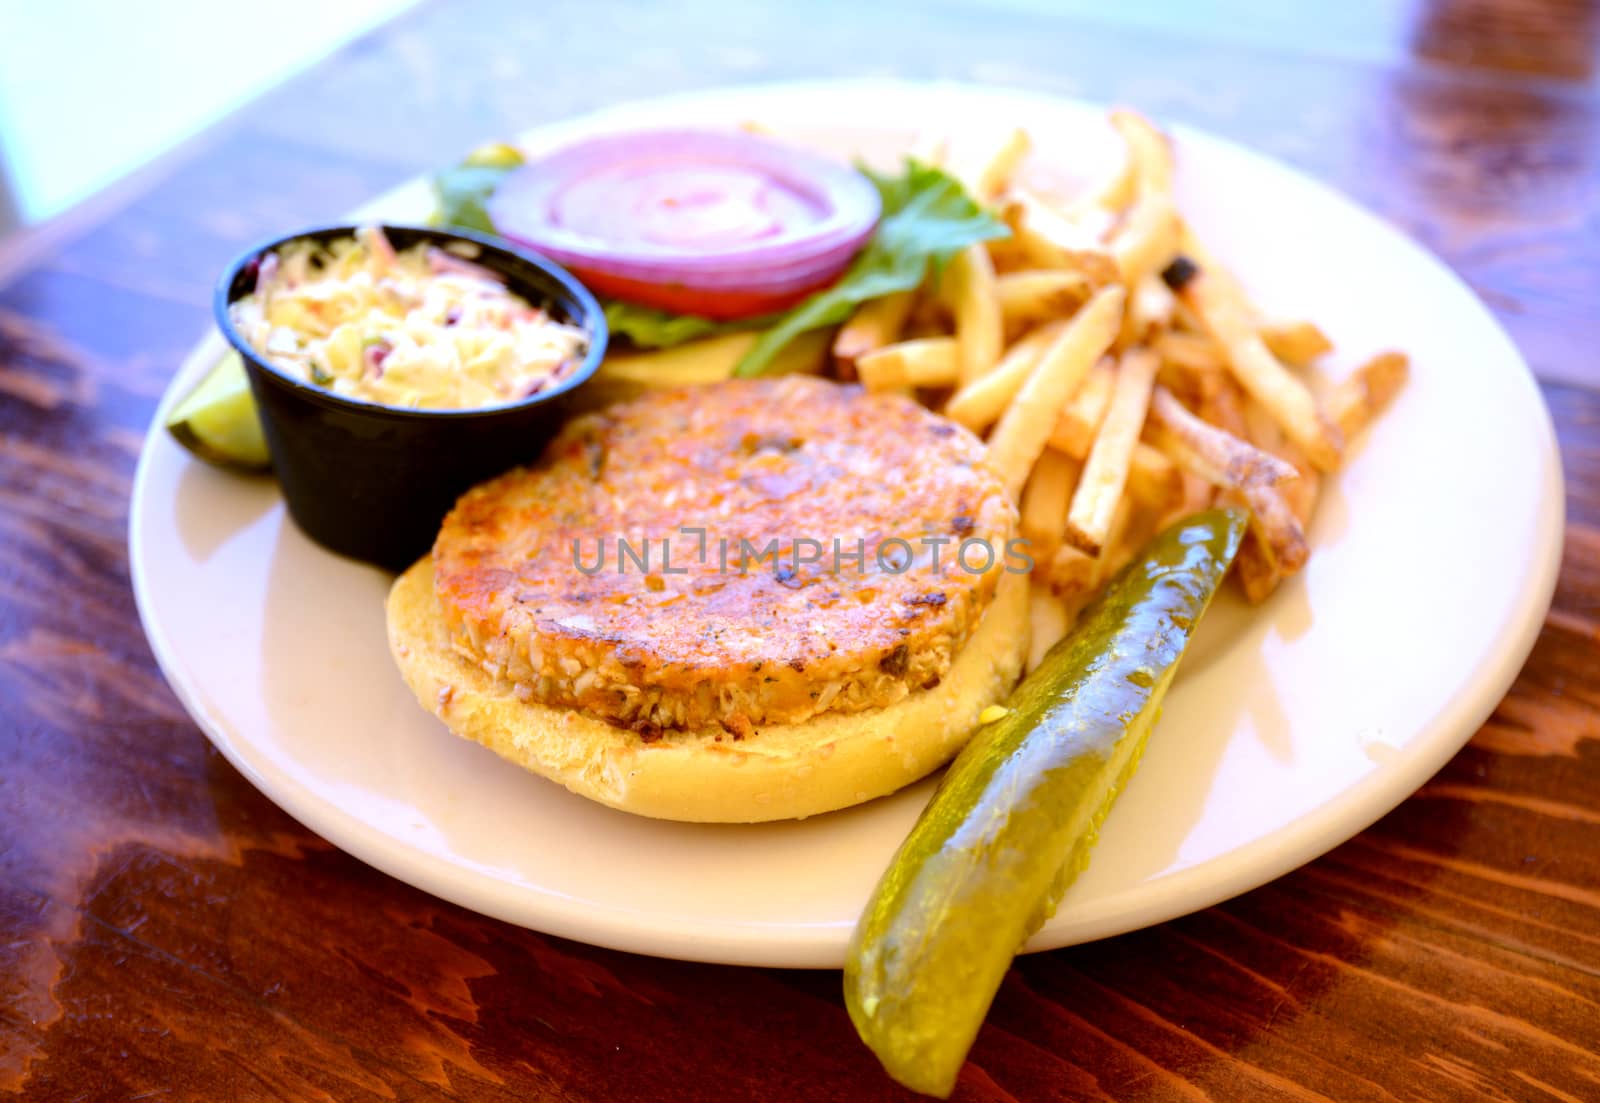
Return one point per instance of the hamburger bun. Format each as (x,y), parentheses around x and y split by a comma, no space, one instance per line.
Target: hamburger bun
(779,771)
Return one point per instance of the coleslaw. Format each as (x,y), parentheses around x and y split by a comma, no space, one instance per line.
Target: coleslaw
(421,328)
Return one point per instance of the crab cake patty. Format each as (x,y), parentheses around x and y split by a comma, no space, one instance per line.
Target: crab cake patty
(752,552)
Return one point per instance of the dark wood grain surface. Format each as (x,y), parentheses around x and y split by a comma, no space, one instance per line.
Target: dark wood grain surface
(166,932)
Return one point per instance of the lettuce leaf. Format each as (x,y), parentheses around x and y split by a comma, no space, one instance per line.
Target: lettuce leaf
(463,194)
(927,219)
(650,328)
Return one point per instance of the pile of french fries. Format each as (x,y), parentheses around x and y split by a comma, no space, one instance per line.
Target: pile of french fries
(1119,374)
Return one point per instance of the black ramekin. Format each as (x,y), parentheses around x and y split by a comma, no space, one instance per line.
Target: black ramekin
(373,482)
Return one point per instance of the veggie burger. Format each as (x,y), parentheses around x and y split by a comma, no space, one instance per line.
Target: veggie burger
(754,600)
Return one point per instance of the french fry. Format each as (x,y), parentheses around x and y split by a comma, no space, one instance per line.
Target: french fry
(1037,295)
(993,172)
(1297,344)
(1051,240)
(1150,311)
(1254,568)
(1224,407)
(1148,237)
(1121,544)
(875,324)
(1079,419)
(1105,473)
(1279,514)
(1193,352)
(1217,456)
(1301,493)
(1226,318)
(1047,621)
(1148,151)
(1154,480)
(1008,256)
(1197,490)
(1358,399)
(925,362)
(1072,570)
(1192,366)
(968,287)
(1278,529)
(978,405)
(1020,436)
(1044,503)
(1111,194)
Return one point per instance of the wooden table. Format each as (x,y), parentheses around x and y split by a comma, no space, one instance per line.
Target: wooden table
(167,932)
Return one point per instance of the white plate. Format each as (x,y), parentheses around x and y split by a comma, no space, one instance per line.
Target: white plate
(1291,727)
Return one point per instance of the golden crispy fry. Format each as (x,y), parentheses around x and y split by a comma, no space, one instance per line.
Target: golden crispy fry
(874,325)
(1110,194)
(1358,399)
(1224,408)
(1148,238)
(1008,256)
(1276,541)
(1278,529)
(1226,318)
(1051,240)
(1154,481)
(1150,312)
(1072,570)
(1105,473)
(1025,426)
(1191,352)
(1301,493)
(1036,295)
(992,174)
(968,287)
(1297,344)
(1122,543)
(1148,150)
(925,362)
(1198,492)
(1192,367)
(1044,503)
(1080,418)
(980,404)
(1047,621)
(1212,453)
(1257,575)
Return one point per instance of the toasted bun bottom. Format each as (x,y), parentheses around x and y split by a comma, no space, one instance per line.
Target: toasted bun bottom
(782,771)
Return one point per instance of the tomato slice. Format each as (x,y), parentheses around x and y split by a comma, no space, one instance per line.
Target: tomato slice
(718,305)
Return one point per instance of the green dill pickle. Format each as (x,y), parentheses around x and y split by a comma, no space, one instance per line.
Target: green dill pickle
(1013,821)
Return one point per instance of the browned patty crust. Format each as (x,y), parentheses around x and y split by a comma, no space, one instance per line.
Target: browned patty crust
(715,631)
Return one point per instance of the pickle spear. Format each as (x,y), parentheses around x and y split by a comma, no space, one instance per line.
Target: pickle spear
(218,420)
(1012,823)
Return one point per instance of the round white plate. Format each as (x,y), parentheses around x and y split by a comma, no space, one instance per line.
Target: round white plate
(1291,726)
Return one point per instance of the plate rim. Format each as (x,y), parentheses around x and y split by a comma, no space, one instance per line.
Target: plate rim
(1265,858)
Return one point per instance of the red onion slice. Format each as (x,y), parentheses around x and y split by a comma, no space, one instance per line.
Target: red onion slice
(691,209)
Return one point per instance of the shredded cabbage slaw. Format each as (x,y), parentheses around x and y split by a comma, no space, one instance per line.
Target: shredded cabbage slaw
(422,328)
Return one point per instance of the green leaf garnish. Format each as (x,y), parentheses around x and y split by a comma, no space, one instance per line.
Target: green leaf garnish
(463,192)
(927,219)
(648,327)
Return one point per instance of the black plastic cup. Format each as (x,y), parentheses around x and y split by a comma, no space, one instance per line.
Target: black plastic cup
(374,482)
